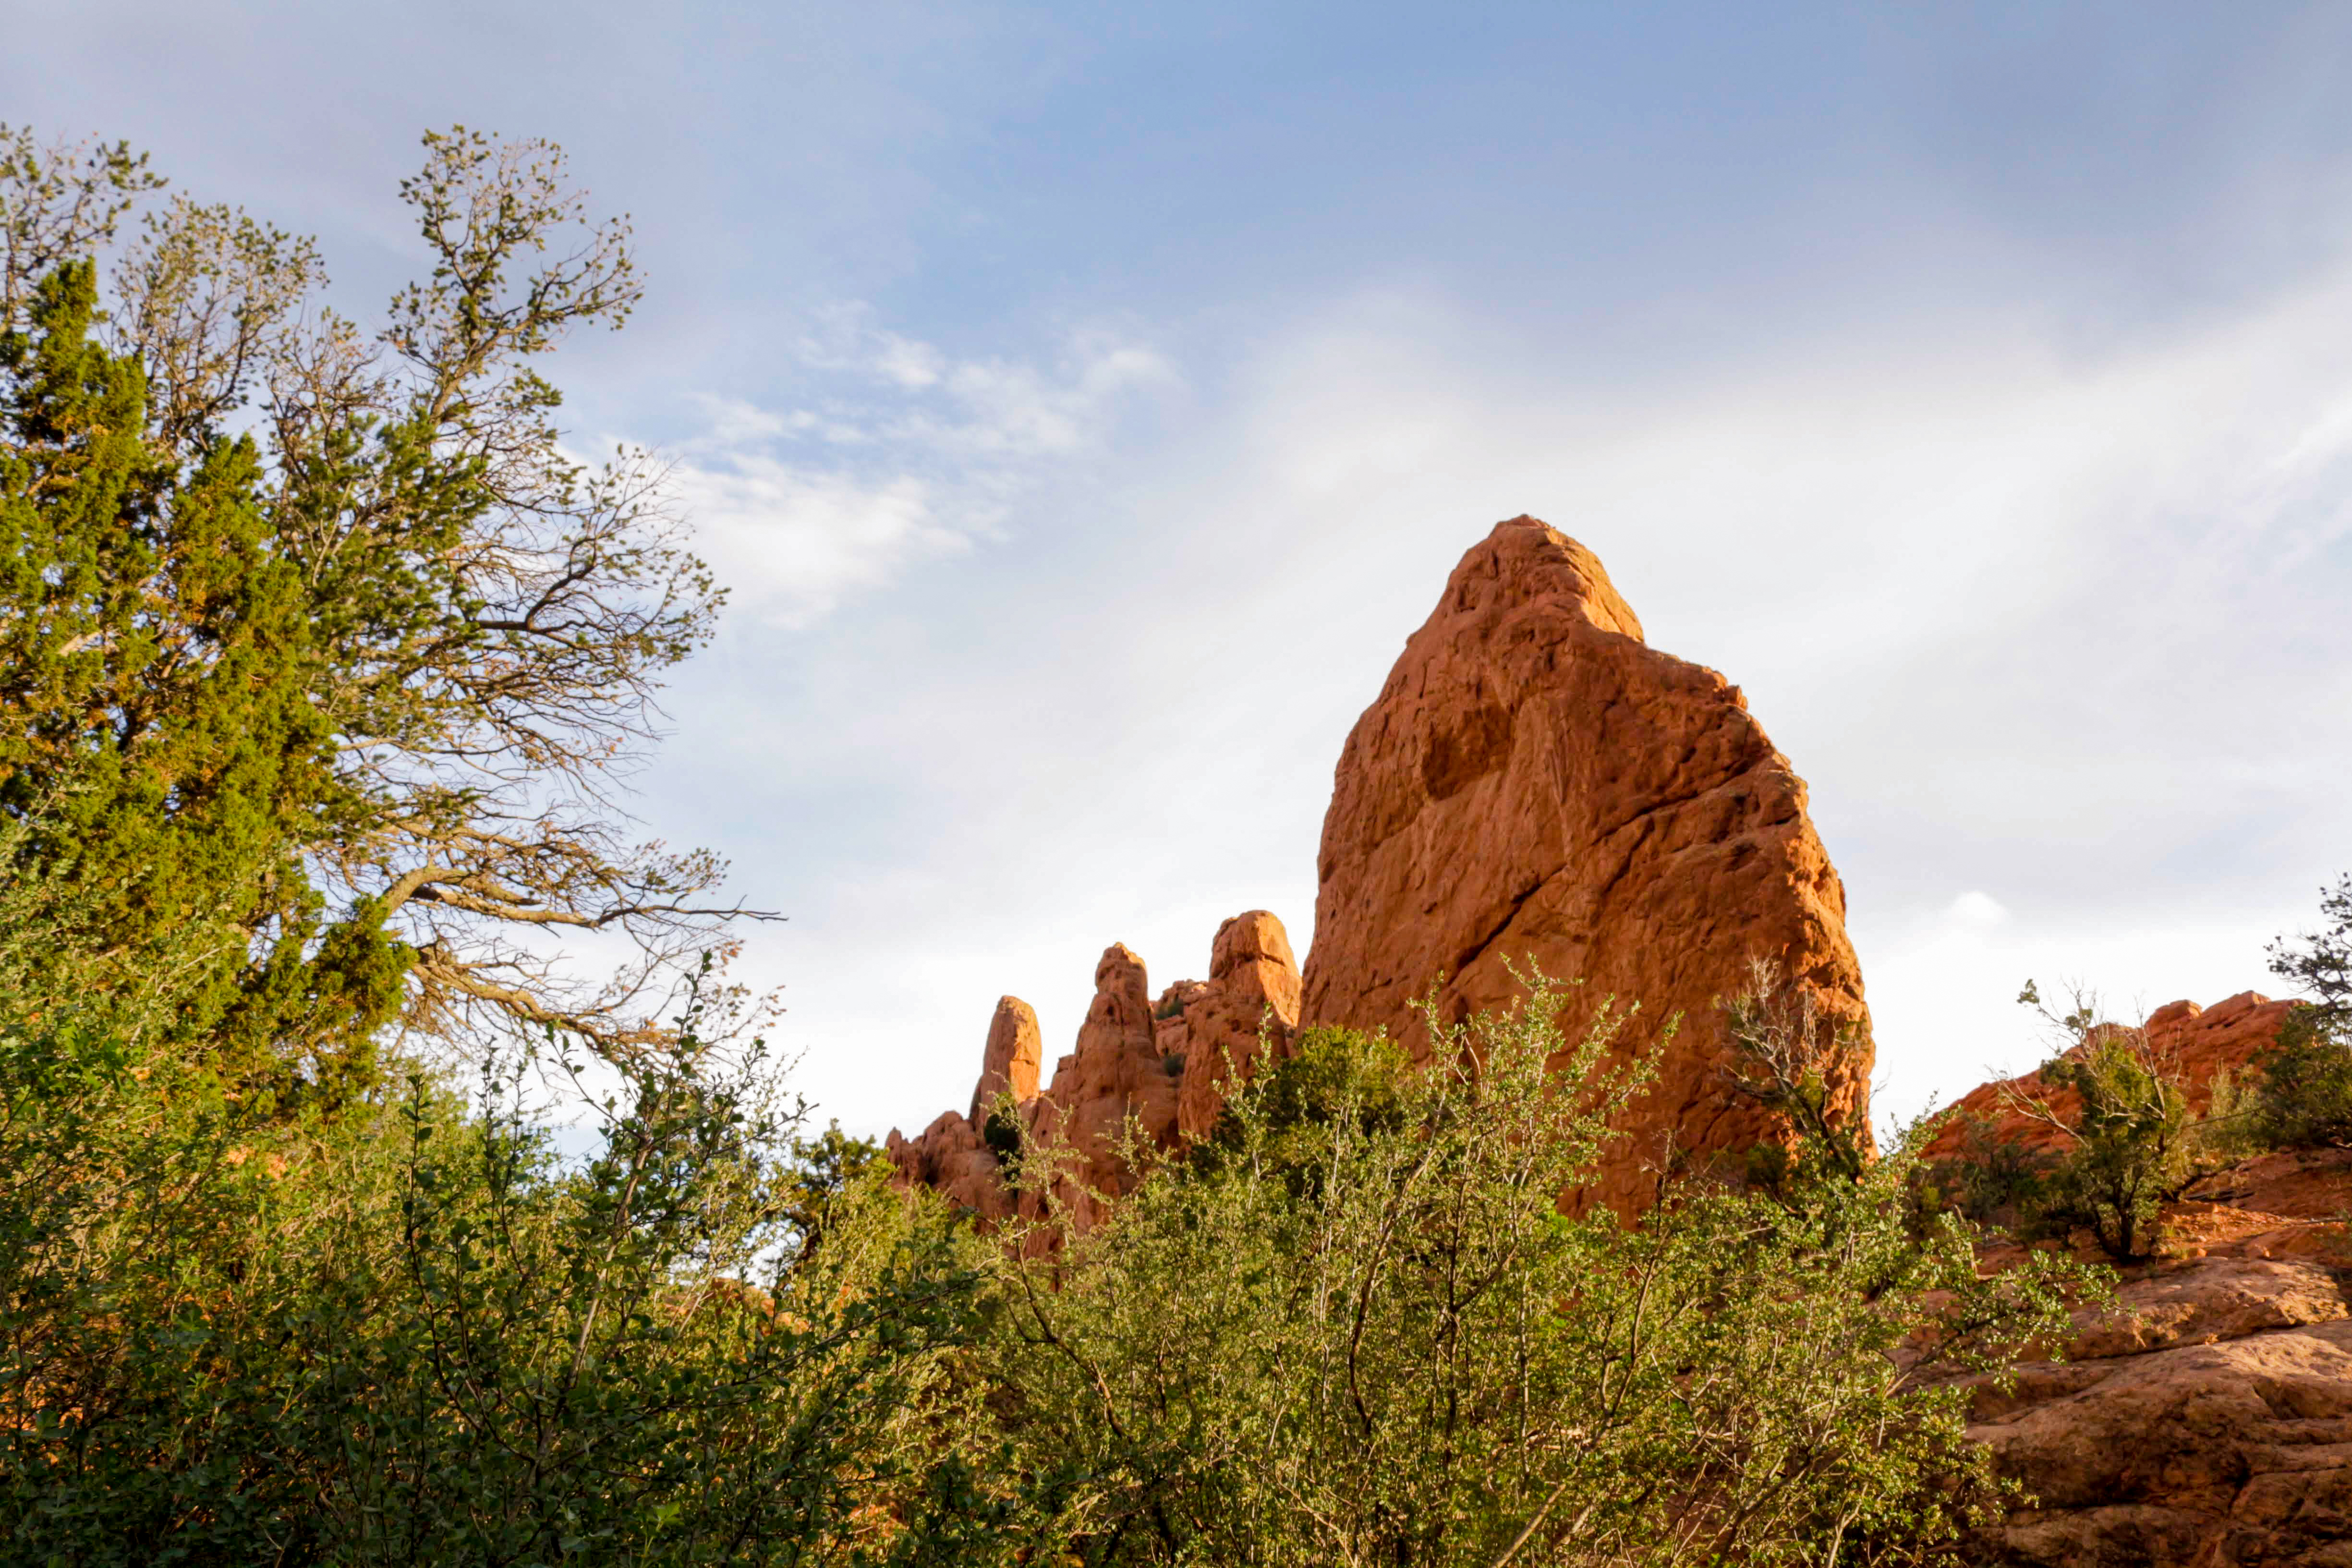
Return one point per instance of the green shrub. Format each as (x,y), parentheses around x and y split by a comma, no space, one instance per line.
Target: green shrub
(1991,1180)
(2131,1154)
(2303,1096)
(414,1334)
(2132,1143)
(1001,1131)
(1358,1328)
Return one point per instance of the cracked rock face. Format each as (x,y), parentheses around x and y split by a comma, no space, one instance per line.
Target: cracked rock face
(2205,1418)
(1536,784)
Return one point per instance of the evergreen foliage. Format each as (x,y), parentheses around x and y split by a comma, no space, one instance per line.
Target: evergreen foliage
(2133,1142)
(2303,1096)
(323,646)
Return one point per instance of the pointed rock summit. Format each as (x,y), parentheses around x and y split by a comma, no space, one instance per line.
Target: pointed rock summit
(1009,1065)
(1536,784)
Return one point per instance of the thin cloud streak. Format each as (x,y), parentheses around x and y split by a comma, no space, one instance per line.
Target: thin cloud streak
(910,456)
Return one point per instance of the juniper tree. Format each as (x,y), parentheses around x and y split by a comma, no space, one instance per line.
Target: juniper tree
(325,640)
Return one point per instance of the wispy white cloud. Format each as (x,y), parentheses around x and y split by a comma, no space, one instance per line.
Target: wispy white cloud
(1976,911)
(911,456)
(2056,636)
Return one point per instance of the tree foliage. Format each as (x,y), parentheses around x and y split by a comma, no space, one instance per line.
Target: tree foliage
(2303,1097)
(329,644)
(2132,1143)
(1360,1331)
(410,1333)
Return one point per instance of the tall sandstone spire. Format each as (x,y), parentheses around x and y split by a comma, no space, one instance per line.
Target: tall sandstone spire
(1536,784)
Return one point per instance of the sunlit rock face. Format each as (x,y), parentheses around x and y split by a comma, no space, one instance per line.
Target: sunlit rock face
(1535,786)
(1164,1067)
(2206,1416)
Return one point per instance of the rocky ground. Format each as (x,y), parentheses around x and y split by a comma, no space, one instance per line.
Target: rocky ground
(2206,1417)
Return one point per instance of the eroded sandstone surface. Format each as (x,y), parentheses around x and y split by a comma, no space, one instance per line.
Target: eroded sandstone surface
(1165,1066)
(1536,786)
(2206,1417)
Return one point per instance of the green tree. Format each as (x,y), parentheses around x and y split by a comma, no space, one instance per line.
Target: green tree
(2133,1142)
(319,655)
(2302,1095)
(339,652)
(156,721)
(2320,963)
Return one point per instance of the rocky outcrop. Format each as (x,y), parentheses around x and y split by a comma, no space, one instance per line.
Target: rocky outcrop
(1536,786)
(1216,1030)
(1117,1071)
(2206,1417)
(1009,1065)
(1166,1068)
(950,1157)
(2195,1044)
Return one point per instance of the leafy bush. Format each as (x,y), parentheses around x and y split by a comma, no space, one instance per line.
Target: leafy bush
(2303,1098)
(1991,1180)
(1000,1129)
(2132,1143)
(412,1333)
(1357,1328)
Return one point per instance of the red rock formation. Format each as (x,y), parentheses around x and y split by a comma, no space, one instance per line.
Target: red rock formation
(1116,1071)
(1216,1028)
(2206,1417)
(1010,1064)
(2195,1042)
(1167,1072)
(1536,784)
(950,1157)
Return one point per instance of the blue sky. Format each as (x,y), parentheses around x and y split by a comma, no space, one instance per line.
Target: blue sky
(1085,404)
